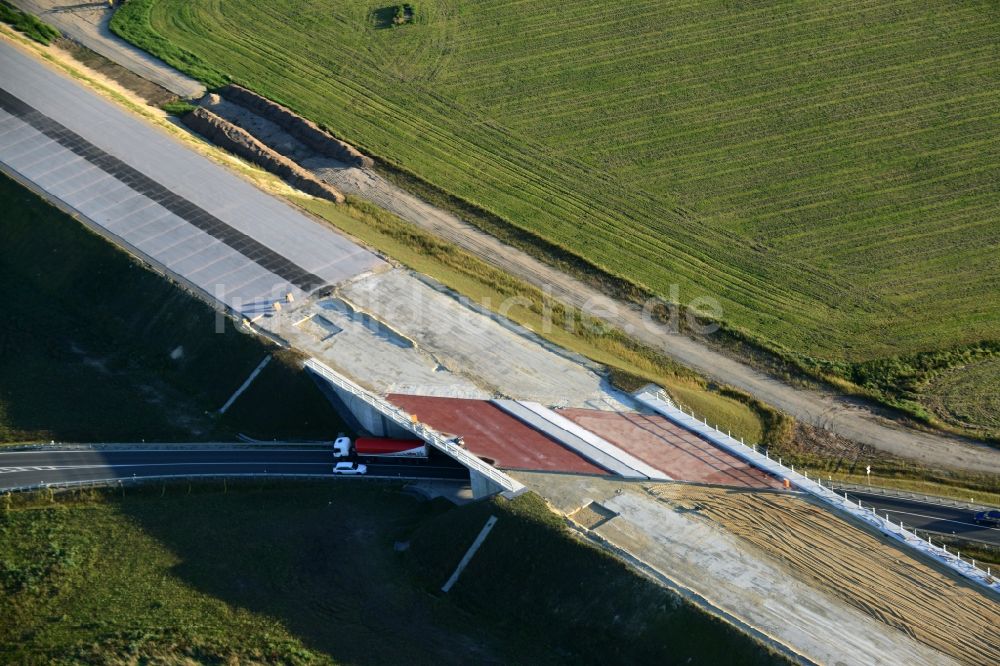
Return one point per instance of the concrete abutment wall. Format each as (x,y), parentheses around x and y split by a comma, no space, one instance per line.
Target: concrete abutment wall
(360,416)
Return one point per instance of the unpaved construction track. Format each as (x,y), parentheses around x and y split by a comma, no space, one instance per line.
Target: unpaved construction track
(864,570)
(87,23)
(822,409)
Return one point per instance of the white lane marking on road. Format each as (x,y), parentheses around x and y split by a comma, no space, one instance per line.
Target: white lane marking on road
(178,450)
(944,520)
(10,470)
(175,464)
(253,475)
(266,463)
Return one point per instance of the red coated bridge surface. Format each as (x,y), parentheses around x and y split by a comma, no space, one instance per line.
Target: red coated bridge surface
(493,434)
(679,453)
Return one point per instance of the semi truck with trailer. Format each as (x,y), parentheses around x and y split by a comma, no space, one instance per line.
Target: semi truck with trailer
(379,447)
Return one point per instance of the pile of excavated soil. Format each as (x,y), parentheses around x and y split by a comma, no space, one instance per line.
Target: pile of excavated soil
(238,141)
(306,131)
(863,569)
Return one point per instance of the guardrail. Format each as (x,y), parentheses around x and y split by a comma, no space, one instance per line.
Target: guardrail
(162,446)
(905,494)
(763,461)
(138,480)
(424,432)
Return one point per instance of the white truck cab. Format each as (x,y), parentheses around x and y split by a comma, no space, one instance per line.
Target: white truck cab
(342,447)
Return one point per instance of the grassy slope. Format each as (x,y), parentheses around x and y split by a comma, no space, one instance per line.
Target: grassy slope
(969,395)
(280,574)
(586,604)
(307,573)
(826,169)
(85,350)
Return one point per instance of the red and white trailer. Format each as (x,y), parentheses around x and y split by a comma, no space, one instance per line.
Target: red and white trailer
(379,447)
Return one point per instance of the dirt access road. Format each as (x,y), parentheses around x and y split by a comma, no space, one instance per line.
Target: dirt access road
(819,408)
(822,409)
(86,21)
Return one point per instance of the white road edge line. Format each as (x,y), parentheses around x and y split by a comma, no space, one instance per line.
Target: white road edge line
(943,520)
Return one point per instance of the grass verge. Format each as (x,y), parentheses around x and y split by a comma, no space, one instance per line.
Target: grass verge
(762,176)
(28,25)
(980,496)
(632,364)
(307,573)
(893,473)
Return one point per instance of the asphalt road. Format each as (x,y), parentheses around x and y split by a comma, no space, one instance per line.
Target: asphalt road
(29,468)
(949,520)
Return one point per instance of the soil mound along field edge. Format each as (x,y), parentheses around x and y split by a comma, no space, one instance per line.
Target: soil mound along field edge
(240,142)
(304,130)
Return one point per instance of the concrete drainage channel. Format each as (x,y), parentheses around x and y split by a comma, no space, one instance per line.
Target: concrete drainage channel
(341,306)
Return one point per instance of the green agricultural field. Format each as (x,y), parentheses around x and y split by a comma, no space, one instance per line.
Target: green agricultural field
(826,170)
(94,347)
(968,395)
(307,573)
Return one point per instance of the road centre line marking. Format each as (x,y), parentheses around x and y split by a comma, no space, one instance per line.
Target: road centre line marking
(944,520)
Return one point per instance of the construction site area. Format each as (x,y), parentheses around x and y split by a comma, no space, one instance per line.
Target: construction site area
(817,577)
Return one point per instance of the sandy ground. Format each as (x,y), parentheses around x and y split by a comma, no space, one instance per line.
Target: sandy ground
(395,333)
(824,410)
(676,542)
(372,356)
(464,340)
(861,568)
(797,574)
(87,23)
